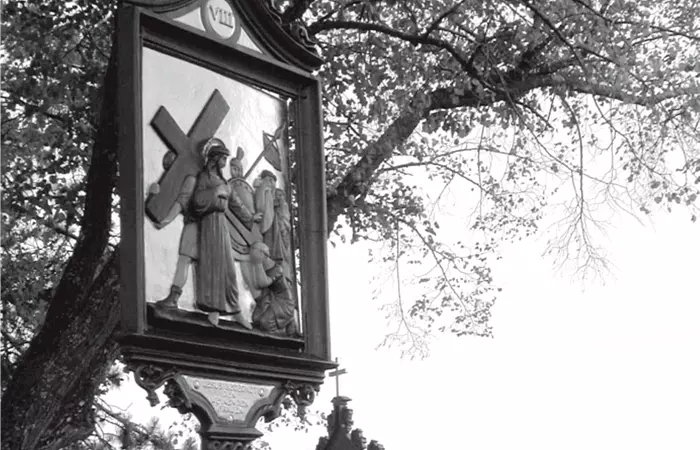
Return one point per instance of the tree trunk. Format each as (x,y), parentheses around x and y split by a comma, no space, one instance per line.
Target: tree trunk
(48,402)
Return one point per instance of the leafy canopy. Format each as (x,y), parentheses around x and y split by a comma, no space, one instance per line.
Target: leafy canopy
(502,116)
(507,112)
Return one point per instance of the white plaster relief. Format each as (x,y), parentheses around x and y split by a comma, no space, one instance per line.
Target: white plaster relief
(244,40)
(183,89)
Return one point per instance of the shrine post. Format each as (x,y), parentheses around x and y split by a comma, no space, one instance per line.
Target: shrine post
(223,216)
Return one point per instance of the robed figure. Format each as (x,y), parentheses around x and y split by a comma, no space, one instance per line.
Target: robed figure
(242,201)
(283,233)
(275,226)
(205,239)
(275,306)
(216,276)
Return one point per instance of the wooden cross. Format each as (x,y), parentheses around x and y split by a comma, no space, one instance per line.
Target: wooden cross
(188,161)
(337,373)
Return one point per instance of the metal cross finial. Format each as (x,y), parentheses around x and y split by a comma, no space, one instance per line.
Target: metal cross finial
(337,373)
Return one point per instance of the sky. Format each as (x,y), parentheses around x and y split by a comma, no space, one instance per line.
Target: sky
(614,366)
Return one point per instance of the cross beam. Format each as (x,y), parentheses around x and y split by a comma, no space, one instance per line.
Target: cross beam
(188,161)
(337,373)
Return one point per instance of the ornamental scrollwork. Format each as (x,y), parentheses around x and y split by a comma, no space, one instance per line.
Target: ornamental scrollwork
(295,29)
(150,377)
(303,395)
(176,397)
(224,444)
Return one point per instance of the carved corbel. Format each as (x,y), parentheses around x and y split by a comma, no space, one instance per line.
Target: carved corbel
(303,394)
(227,410)
(151,377)
(177,397)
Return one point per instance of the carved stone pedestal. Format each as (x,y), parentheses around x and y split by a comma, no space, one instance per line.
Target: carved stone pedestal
(227,410)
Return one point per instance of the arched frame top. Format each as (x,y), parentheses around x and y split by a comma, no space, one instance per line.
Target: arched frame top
(288,43)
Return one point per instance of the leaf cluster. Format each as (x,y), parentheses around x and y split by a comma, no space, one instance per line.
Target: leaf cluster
(53,62)
(524,114)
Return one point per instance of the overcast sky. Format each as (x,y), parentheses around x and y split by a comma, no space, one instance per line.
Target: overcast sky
(612,367)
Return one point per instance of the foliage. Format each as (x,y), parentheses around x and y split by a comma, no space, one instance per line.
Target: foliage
(513,115)
(116,430)
(53,65)
(513,111)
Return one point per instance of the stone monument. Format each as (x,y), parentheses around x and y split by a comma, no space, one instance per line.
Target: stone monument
(223,255)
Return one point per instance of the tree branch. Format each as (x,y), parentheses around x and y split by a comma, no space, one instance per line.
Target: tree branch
(414,39)
(295,11)
(357,179)
(610,92)
(433,26)
(555,29)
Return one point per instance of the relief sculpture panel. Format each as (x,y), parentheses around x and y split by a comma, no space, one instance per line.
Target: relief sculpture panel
(218,240)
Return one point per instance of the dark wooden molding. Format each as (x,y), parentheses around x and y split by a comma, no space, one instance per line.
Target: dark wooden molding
(129,138)
(223,358)
(285,40)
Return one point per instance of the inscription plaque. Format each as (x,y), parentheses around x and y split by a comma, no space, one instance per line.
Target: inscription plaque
(230,400)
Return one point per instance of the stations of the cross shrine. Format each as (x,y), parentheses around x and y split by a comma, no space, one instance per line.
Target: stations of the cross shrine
(224,290)
(224,286)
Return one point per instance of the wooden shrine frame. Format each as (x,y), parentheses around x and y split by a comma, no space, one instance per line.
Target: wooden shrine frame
(154,349)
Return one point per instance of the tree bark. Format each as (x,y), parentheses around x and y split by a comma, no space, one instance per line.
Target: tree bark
(48,401)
